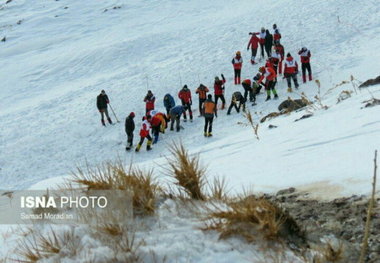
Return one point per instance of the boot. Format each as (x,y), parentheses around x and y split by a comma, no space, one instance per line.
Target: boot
(148,146)
(205,134)
(304,78)
(138,147)
(310,78)
(238,80)
(109,120)
(290,89)
(103,123)
(129,147)
(209,134)
(268,98)
(275,96)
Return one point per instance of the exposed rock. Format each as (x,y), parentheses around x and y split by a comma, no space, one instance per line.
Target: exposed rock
(344,218)
(370,82)
(270,116)
(272,126)
(372,102)
(292,105)
(4,39)
(304,117)
(8,1)
(286,191)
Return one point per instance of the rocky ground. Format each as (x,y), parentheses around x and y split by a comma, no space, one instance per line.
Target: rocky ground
(342,219)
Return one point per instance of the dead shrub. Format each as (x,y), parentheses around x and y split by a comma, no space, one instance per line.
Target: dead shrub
(187,171)
(218,189)
(250,217)
(40,246)
(113,176)
(255,126)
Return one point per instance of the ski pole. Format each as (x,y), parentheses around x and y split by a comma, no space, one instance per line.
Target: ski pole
(114,113)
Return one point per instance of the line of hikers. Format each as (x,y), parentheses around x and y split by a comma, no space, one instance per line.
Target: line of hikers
(266,78)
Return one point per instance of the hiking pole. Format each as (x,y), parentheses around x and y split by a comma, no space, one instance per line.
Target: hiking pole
(114,113)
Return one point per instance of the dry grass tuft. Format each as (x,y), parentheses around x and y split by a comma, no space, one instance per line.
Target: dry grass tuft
(111,229)
(187,171)
(113,176)
(41,246)
(251,217)
(218,189)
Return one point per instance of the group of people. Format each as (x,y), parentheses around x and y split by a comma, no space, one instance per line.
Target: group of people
(275,52)
(155,122)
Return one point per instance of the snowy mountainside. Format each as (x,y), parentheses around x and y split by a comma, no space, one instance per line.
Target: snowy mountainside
(58,59)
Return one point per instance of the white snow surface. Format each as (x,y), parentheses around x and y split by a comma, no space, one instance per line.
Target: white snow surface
(57,59)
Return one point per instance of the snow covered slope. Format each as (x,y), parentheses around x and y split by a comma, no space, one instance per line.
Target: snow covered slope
(62,53)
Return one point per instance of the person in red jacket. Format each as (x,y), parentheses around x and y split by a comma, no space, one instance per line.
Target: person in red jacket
(281,51)
(276,33)
(237,62)
(247,85)
(291,71)
(158,123)
(270,83)
(219,90)
(269,63)
(149,101)
(185,96)
(305,61)
(254,44)
(275,59)
(145,133)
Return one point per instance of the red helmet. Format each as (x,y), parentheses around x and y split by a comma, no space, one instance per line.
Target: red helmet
(132,114)
(262,69)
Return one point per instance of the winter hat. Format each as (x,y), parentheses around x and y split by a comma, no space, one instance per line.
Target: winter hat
(185,87)
(209,96)
(103,91)
(216,78)
(288,55)
(132,114)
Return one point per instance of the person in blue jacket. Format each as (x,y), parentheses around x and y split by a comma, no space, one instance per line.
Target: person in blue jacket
(168,103)
(175,116)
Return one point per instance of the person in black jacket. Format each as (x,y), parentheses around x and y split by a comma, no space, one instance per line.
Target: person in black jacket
(129,128)
(102,103)
(236,97)
(268,43)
